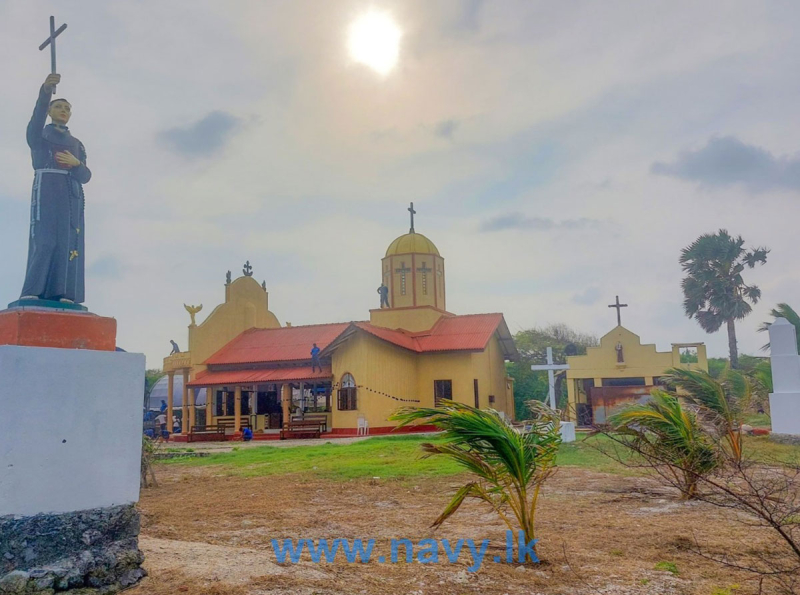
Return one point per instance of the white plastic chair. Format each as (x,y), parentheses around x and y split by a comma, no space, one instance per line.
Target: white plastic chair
(363,426)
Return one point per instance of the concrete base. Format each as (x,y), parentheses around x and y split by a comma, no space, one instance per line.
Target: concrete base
(70,429)
(567,431)
(43,327)
(70,454)
(785,413)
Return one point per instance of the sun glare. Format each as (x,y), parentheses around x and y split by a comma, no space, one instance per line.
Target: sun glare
(374,40)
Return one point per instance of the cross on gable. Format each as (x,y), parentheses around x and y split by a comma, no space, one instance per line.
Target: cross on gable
(619,307)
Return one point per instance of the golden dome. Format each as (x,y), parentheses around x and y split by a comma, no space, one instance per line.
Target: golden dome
(412,243)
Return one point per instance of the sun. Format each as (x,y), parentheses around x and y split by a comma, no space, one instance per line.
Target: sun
(374,40)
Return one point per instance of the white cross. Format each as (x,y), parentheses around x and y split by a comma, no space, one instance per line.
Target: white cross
(551,377)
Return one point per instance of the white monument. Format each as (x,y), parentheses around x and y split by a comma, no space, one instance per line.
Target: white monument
(567,427)
(784,401)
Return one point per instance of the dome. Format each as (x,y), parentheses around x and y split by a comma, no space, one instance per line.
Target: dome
(412,243)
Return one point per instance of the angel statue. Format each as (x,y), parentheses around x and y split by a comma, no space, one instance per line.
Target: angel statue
(192,310)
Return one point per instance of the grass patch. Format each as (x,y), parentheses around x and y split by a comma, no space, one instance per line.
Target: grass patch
(667,567)
(387,458)
(399,457)
(758,420)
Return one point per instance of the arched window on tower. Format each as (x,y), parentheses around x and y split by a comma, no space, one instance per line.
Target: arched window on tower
(347,393)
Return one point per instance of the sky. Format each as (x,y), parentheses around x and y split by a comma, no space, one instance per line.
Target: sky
(558,154)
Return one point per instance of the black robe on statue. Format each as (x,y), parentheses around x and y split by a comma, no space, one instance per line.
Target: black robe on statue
(55,246)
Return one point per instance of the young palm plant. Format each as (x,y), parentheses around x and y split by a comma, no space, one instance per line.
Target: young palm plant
(509,467)
(722,401)
(670,438)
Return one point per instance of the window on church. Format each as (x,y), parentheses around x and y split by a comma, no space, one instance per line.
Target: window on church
(347,394)
(442,389)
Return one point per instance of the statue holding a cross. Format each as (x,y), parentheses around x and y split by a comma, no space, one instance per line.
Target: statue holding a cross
(55,270)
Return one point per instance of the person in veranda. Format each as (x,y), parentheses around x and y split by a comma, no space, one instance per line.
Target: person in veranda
(55,269)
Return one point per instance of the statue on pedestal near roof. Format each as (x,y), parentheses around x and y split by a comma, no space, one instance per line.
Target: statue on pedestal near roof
(56,259)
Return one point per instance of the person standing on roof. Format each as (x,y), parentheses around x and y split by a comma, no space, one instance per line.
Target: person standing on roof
(315,358)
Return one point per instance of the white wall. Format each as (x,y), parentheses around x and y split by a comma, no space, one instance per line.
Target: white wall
(70,429)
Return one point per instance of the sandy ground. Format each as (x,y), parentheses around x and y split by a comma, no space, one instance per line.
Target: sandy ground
(205,532)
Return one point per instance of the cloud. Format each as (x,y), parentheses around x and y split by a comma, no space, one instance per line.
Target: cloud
(590,296)
(203,138)
(727,160)
(108,267)
(519,221)
(446,128)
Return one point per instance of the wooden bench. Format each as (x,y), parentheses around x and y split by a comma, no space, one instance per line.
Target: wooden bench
(301,428)
(206,433)
(321,419)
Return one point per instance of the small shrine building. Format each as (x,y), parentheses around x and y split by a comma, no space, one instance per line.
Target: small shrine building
(411,352)
(620,371)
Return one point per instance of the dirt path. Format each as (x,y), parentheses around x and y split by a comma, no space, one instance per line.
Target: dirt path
(211,534)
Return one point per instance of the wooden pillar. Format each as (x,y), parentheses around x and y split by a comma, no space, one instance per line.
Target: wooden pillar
(209,405)
(286,399)
(170,399)
(185,402)
(237,409)
(191,408)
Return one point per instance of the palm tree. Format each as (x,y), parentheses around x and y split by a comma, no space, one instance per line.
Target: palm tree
(782,311)
(714,291)
(723,401)
(670,438)
(509,466)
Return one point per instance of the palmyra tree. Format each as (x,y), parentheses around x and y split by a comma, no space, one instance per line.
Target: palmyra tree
(714,290)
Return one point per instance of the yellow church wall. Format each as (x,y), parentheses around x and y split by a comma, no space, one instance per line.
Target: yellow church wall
(375,365)
(410,319)
(381,366)
(246,306)
(640,361)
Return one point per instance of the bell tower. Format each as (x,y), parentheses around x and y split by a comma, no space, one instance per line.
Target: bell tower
(413,273)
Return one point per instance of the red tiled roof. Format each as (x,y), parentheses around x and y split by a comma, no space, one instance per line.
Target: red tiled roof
(230,377)
(451,333)
(292,343)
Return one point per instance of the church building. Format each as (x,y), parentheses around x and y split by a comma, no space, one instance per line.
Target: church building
(411,352)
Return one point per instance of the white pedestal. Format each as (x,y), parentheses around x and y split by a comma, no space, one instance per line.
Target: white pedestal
(70,429)
(567,431)
(784,403)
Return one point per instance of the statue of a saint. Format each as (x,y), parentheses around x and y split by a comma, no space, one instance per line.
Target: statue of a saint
(56,243)
(620,354)
(384,293)
(175,348)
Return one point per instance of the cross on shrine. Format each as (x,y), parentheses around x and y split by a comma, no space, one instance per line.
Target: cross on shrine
(51,41)
(551,376)
(413,212)
(247,269)
(618,306)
